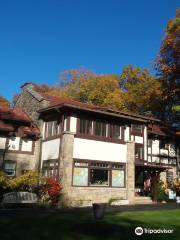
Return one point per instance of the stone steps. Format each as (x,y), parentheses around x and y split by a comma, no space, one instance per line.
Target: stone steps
(142,200)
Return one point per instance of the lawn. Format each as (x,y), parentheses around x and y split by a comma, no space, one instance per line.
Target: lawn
(76,226)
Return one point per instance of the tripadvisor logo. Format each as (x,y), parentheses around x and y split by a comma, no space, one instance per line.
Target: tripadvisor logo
(139,231)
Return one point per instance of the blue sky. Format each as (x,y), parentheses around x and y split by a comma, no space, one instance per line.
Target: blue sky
(39,39)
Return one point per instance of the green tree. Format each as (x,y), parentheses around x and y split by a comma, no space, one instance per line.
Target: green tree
(168,66)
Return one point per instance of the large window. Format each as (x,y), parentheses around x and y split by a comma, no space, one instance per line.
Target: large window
(51,128)
(98,174)
(10,168)
(100,129)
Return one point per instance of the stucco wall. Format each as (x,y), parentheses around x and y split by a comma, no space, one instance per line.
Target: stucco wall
(50,149)
(98,150)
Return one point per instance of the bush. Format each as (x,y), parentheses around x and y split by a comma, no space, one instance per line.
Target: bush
(4,184)
(176,185)
(161,192)
(50,192)
(27,182)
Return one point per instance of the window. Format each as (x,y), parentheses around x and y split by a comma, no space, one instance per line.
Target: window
(85,126)
(10,168)
(100,129)
(118,175)
(51,128)
(50,168)
(137,129)
(99,174)
(102,174)
(115,131)
(139,152)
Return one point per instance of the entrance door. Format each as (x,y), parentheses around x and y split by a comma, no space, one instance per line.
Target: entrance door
(146,180)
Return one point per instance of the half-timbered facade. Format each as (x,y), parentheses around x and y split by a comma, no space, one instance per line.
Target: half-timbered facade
(99,154)
(19,145)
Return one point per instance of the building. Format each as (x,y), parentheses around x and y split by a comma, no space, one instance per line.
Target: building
(19,145)
(99,154)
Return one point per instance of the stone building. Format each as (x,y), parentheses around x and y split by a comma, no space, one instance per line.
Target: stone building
(19,145)
(98,154)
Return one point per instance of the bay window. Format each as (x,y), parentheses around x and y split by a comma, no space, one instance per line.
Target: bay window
(98,174)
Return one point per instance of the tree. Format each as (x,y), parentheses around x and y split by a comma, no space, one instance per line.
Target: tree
(168,66)
(4,102)
(88,87)
(141,90)
(135,90)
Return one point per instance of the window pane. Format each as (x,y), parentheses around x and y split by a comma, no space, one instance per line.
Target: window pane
(117,178)
(85,126)
(81,164)
(56,127)
(115,131)
(80,176)
(100,129)
(99,177)
(118,166)
(100,165)
(10,168)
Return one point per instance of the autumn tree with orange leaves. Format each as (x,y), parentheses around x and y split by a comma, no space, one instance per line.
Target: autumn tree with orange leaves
(3,102)
(168,66)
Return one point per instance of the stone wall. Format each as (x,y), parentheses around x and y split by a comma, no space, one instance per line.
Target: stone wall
(25,161)
(31,101)
(76,196)
(130,171)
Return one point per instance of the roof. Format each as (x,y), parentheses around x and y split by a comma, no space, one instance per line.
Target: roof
(15,119)
(14,114)
(6,127)
(64,102)
(59,102)
(161,129)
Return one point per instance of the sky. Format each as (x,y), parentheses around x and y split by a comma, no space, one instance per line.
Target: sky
(39,39)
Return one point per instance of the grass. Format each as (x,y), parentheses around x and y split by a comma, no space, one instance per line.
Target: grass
(76,226)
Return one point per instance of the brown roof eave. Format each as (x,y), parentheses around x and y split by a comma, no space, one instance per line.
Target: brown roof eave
(93,111)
